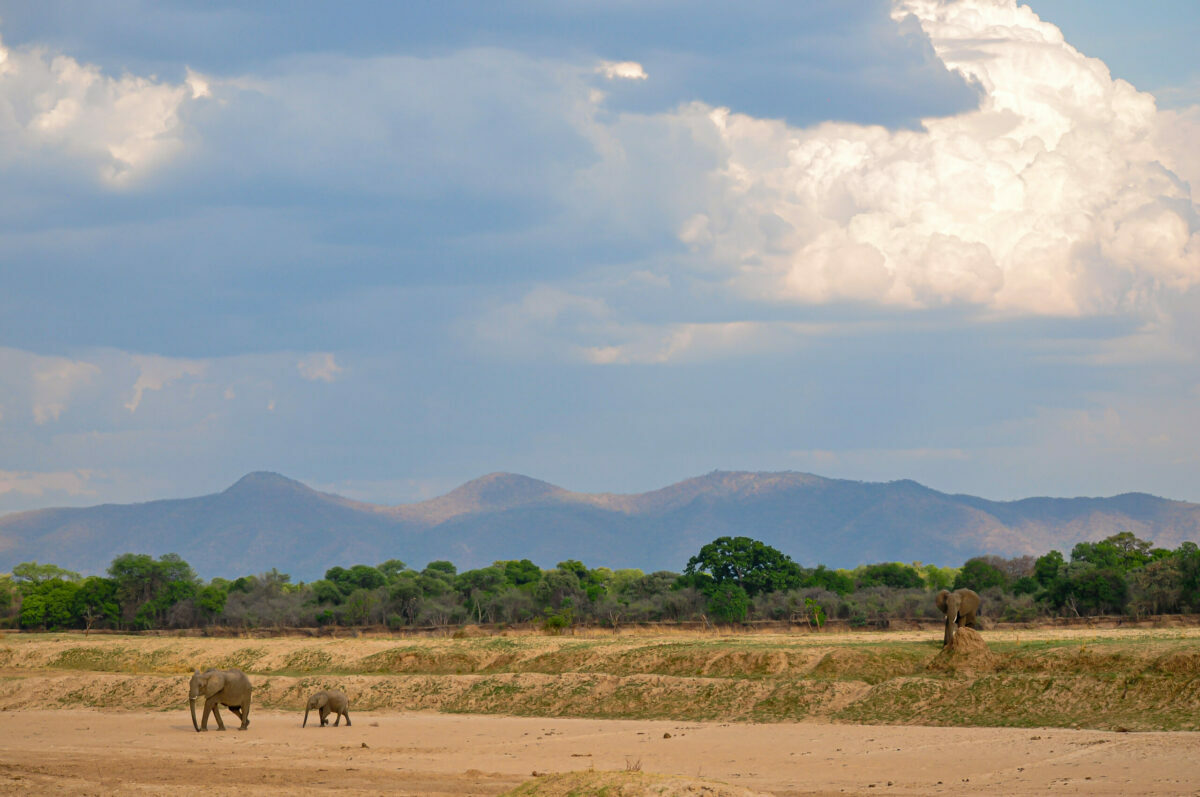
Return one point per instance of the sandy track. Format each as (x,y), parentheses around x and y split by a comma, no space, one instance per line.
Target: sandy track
(94,752)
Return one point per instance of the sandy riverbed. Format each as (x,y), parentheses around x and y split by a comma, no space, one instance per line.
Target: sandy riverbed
(108,752)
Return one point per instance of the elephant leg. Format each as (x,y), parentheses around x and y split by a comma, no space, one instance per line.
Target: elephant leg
(969,619)
(216,714)
(346,714)
(337,719)
(245,714)
(324,716)
(240,712)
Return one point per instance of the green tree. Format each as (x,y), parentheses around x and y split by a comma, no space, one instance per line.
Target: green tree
(754,566)
(479,589)
(1096,590)
(1122,552)
(146,589)
(404,596)
(49,605)
(1188,557)
(359,605)
(558,588)
(325,591)
(96,603)
(1049,569)
(8,600)
(391,569)
(441,566)
(31,574)
(357,577)
(978,574)
(210,601)
(520,572)
(831,580)
(890,574)
(936,577)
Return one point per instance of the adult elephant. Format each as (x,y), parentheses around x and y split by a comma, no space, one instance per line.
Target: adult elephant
(326,702)
(220,687)
(959,607)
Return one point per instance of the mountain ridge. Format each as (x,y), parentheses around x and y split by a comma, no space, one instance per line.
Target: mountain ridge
(266,520)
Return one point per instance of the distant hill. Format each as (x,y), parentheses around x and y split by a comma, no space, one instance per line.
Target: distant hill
(266,520)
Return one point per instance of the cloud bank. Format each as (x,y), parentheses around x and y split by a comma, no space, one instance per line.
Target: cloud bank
(1050,198)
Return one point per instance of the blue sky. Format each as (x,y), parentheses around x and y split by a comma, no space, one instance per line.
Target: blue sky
(387,248)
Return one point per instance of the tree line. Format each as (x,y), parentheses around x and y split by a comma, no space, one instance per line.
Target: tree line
(730,580)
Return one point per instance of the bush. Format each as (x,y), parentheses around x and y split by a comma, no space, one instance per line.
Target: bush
(729,603)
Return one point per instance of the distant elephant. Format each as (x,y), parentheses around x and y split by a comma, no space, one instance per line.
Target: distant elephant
(959,607)
(220,687)
(329,701)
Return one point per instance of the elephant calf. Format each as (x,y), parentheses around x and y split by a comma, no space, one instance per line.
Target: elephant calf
(328,701)
(959,607)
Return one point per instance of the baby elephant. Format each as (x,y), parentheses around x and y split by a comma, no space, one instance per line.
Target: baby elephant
(329,701)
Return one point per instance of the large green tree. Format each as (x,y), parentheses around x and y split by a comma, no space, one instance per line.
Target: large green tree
(754,566)
(146,588)
(49,605)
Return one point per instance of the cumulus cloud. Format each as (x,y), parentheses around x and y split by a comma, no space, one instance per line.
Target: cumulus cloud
(156,372)
(319,367)
(1050,198)
(118,127)
(622,70)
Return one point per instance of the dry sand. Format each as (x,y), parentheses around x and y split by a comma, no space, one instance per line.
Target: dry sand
(77,751)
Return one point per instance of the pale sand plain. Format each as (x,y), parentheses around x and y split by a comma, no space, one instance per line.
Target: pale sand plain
(80,751)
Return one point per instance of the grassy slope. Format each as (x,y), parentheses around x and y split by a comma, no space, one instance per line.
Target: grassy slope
(1136,679)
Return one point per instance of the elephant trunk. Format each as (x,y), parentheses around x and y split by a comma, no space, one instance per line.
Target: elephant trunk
(195,724)
(306,708)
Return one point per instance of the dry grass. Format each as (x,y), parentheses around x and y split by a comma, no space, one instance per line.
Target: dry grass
(1135,679)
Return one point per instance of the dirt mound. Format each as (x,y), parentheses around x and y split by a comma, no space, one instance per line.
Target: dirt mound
(627,784)
(967,652)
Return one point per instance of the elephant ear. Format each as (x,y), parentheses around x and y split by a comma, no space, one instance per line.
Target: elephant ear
(941,599)
(214,684)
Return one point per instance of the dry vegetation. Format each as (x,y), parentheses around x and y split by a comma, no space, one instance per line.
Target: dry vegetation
(1116,679)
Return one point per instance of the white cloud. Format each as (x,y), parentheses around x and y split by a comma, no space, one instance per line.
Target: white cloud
(54,380)
(1177,133)
(156,372)
(319,367)
(1050,198)
(622,70)
(119,128)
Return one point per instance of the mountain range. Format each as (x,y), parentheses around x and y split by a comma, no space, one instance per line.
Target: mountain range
(266,520)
